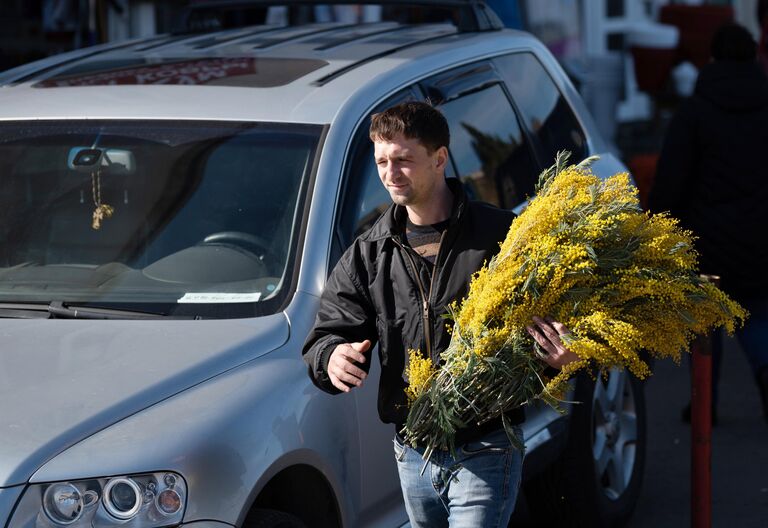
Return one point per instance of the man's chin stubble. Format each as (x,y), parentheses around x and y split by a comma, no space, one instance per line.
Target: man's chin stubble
(400,199)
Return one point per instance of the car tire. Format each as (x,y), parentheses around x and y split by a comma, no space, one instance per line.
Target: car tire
(596,481)
(272,519)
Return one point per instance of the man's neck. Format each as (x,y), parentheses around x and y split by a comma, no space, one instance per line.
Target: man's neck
(437,210)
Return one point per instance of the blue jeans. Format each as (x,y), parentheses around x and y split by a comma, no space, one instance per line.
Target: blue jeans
(478,488)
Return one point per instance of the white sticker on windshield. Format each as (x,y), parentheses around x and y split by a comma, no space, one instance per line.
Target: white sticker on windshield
(212,297)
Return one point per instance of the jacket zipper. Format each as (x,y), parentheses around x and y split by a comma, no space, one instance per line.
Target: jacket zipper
(425,297)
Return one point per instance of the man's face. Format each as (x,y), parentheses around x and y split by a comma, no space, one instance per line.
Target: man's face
(408,171)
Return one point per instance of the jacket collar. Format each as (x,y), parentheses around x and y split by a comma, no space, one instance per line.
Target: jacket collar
(391,224)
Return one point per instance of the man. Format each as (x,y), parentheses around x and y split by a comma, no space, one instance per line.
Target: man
(392,286)
(712,175)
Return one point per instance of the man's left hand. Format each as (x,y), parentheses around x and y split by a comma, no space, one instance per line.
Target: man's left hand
(547,333)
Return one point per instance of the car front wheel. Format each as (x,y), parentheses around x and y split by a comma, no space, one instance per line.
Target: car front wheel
(272,519)
(596,481)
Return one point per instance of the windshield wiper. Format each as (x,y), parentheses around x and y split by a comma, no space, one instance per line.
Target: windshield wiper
(60,310)
(24,311)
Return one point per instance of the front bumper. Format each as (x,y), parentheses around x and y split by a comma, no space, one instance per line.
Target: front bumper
(205,524)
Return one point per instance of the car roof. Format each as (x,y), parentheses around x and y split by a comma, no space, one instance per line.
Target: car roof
(242,74)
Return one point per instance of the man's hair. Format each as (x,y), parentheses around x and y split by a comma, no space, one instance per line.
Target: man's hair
(414,120)
(733,42)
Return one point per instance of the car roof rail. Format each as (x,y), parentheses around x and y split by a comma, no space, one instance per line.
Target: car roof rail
(474,15)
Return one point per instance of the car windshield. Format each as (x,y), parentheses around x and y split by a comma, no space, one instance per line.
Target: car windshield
(167,217)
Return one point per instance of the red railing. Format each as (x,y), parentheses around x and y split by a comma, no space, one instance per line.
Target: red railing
(701,429)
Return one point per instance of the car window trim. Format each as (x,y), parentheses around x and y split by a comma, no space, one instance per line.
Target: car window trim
(304,202)
(460,80)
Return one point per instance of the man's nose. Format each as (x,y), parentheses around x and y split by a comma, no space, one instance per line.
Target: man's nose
(391,168)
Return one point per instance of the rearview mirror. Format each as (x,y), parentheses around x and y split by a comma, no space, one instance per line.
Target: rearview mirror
(109,161)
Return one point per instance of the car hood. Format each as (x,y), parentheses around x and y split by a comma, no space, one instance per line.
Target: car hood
(63,380)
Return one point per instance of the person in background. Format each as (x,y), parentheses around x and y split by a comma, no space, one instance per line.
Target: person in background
(712,174)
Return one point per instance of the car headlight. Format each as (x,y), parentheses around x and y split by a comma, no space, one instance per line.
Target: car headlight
(148,500)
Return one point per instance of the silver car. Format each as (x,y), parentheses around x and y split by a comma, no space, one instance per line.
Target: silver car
(170,209)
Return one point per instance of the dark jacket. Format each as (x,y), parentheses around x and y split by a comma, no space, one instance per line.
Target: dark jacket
(713,174)
(378,288)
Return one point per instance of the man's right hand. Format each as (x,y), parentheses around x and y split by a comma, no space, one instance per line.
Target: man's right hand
(342,365)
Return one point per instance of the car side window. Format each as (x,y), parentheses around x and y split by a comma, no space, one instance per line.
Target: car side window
(364,197)
(489,148)
(367,198)
(544,110)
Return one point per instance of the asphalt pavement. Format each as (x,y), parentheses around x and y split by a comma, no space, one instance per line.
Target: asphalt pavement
(739,450)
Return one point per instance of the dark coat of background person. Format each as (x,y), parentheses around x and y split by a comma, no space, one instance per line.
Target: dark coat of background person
(713,174)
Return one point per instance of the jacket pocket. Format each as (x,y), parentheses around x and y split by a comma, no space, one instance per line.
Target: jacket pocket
(391,343)
(392,401)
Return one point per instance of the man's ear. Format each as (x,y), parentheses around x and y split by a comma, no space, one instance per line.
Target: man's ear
(441,158)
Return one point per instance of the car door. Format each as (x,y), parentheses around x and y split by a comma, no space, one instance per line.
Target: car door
(363,199)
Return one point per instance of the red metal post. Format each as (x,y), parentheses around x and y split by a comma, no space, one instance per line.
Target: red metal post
(701,430)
